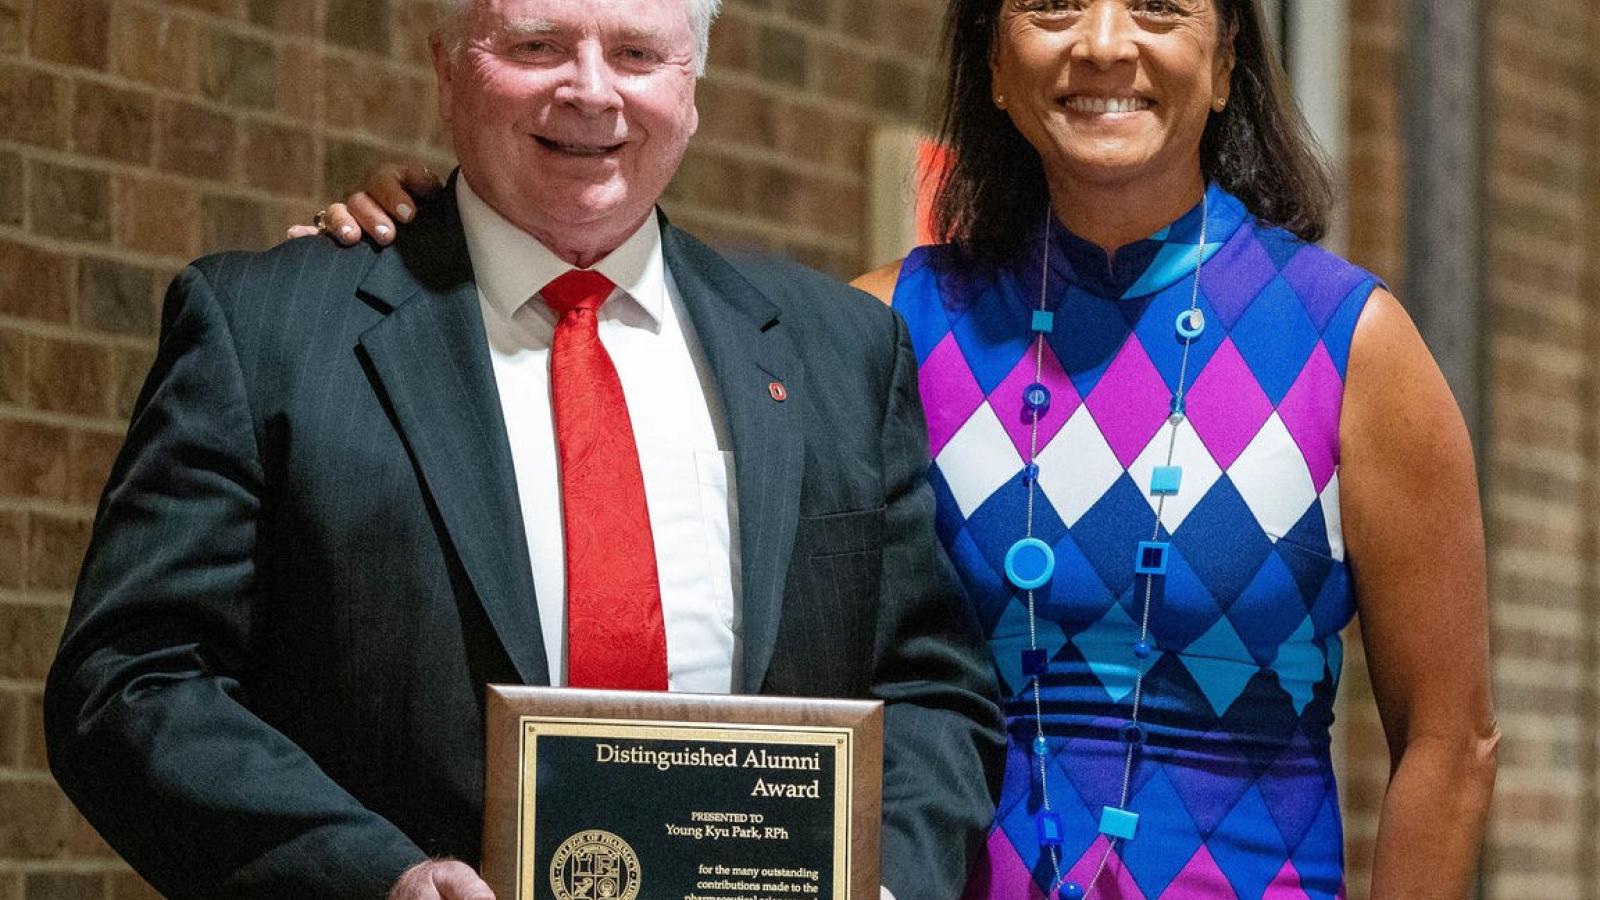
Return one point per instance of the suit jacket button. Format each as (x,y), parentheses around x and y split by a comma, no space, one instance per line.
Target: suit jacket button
(778,391)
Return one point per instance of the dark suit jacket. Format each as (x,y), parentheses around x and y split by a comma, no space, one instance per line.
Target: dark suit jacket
(310,560)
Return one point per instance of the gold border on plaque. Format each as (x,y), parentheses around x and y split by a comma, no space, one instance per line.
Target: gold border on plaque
(838,739)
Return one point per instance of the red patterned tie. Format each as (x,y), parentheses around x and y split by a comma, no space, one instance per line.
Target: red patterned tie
(615,636)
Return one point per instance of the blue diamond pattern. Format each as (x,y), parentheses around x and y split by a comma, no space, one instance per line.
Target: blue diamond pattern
(1275,337)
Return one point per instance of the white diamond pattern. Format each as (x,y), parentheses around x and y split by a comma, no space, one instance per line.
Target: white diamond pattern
(1200,472)
(1077,467)
(978,460)
(1272,476)
(1333,518)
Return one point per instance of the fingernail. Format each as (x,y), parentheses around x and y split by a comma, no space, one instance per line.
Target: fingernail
(347,231)
(404,212)
(381,231)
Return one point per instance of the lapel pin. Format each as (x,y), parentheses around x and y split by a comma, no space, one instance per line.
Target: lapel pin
(778,391)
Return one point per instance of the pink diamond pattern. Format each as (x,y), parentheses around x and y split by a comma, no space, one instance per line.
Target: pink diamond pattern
(1201,877)
(1311,412)
(950,393)
(1017,418)
(1286,885)
(1226,405)
(1130,402)
(1116,882)
(1001,873)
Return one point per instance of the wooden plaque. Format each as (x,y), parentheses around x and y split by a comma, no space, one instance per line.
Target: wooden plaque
(622,795)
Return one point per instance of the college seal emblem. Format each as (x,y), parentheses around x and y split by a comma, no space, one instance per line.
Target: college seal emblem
(595,865)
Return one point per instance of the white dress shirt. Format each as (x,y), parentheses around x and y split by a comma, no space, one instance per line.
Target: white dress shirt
(684,453)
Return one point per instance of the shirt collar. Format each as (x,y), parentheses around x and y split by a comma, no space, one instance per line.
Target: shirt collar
(511,265)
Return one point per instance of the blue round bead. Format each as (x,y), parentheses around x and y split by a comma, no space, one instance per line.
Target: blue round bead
(1072,891)
(1030,472)
(1040,746)
(1036,397)
(1191,324)
(1132,734)
(1029,563)
(1142,649)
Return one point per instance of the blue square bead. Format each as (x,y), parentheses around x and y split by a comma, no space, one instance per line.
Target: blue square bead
(1035,662)
(1118,823)
(1051,831)
(1166,479)
(1152,558)
(1044,322)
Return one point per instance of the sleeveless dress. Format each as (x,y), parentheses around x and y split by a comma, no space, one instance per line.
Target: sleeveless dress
(1233,782)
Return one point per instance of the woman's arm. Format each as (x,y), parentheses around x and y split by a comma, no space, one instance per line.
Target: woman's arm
(1414,536)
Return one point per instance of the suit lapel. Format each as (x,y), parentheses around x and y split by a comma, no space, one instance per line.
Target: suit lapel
(430,356)
(748,350)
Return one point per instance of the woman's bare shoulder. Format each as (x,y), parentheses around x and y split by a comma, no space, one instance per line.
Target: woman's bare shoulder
(880,282)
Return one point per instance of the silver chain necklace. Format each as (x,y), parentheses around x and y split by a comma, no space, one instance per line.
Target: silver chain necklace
(1030,563)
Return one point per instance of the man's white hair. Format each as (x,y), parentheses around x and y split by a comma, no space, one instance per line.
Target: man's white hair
(701,14)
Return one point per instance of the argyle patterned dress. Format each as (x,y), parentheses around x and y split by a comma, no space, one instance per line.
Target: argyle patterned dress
(1233,784)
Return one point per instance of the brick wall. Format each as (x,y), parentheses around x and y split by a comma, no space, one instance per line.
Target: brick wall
(137,134)
(1542,461)
(1540,453)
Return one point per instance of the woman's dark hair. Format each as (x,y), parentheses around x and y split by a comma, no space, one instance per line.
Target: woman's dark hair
(1258,148)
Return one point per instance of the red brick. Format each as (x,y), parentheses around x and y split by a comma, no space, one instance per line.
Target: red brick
(300,83)
(381,103)
(13,182)
(358,24)
(155,216)
(65,886)
(33,461)
(116,297)
(28,637)
(11,728)
(13,368)
(296,17)
(33,107)
(31,711)
(195,141)
(39,822)
(113,123)
(238,71)
(154,47)
(71,32)
(69,377)
(55,552)
(280,159)
(229,9)
(92,453)
(732,44)
(233,223)
(13,550)
(68,202)
(13,38)
(34,283)
(413,22)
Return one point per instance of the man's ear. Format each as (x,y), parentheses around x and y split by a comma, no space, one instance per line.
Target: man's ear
(443,72)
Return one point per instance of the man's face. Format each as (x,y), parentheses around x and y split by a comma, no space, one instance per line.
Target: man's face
(569,117)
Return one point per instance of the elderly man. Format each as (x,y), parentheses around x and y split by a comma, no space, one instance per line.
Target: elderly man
(544,438)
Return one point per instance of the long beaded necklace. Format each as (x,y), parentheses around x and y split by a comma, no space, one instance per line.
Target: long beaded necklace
(1030,563)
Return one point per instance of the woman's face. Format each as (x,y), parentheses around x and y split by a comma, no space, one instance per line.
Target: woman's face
(1111,90)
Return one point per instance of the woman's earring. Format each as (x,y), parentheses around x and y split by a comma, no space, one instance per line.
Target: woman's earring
(1221,104)
(1000,100)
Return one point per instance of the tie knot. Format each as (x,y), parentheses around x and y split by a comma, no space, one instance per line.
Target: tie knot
(577,289)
